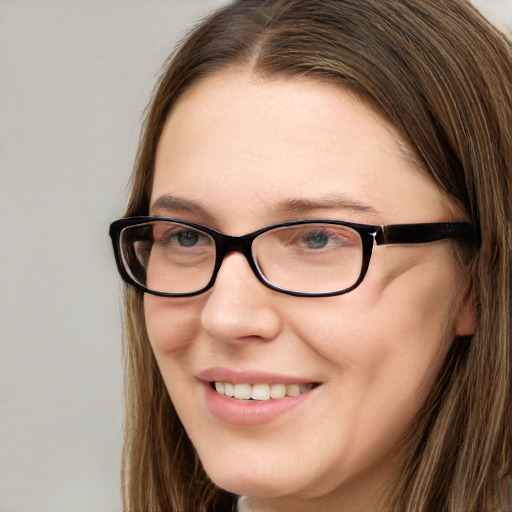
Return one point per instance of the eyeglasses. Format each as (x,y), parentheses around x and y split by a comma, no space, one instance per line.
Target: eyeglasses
(308,258)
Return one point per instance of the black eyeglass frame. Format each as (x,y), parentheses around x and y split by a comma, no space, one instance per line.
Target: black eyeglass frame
(224,244)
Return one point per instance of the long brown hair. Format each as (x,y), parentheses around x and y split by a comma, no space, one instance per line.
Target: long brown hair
(442,75)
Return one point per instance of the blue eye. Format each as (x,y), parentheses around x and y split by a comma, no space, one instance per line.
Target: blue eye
(187,238)
(316,239)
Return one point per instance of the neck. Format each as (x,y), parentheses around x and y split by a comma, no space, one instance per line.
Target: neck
(349,502)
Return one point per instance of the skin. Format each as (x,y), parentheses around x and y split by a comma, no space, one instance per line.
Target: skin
(238,146)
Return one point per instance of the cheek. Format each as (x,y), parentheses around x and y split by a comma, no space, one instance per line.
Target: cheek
(388,337)
(381,324)
(171,323)
(413,308)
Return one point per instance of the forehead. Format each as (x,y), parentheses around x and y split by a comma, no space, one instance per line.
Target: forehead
(235,142)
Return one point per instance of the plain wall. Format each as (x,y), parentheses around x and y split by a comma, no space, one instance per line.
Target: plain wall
(75,77)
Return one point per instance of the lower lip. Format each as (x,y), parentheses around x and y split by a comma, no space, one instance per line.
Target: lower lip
(250,412)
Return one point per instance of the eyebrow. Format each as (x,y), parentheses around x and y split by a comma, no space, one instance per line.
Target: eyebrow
(296,207)
(170,202)
(330,202)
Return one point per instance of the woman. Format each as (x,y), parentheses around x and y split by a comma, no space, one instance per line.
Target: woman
(282,346)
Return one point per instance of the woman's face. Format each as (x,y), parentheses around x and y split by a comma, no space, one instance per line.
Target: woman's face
(239,153)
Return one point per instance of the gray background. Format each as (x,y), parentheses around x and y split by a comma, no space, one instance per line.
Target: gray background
(75,77)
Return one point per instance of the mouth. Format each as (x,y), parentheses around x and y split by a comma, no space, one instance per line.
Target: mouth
(259,392)
(253,397)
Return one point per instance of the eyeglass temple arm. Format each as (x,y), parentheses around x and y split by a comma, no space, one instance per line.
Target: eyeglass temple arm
(424,233)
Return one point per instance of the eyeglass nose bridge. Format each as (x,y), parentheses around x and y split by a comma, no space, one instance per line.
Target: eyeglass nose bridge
(226,244)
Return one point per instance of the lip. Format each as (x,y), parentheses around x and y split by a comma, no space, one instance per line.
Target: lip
(249,412)
(219,374)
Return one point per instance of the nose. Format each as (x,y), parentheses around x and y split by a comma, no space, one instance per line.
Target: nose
(239,307)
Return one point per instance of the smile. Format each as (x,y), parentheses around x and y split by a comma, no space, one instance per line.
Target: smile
(251,397)
(261,392)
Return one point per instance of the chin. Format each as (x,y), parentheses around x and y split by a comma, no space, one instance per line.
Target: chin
(248,484)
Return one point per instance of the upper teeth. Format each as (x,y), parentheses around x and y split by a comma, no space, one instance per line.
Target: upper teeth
(260,391)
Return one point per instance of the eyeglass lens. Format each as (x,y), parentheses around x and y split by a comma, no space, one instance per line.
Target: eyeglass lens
(170,257)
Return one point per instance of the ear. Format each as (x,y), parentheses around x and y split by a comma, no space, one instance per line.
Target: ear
(465,321)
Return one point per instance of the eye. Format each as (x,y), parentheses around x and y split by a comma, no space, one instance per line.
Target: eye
(187,238)
(179,236)
(316,239)
(325,237)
